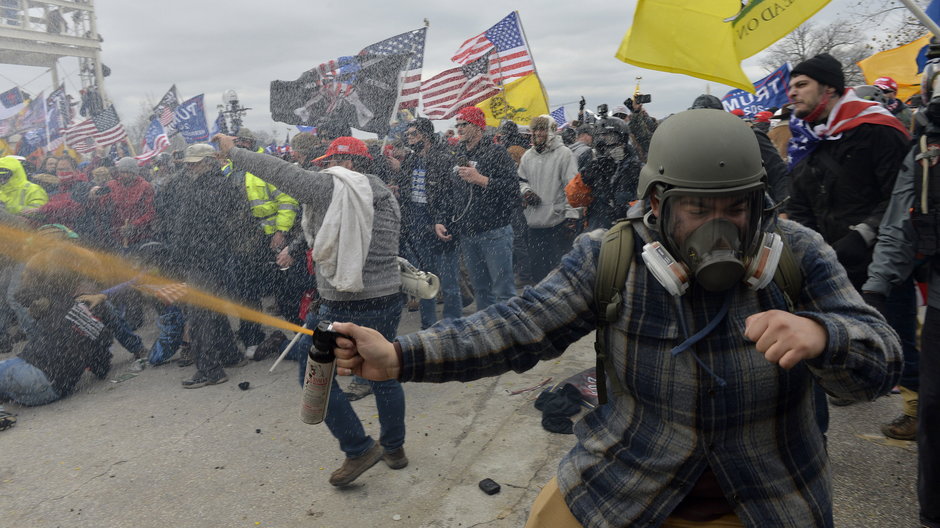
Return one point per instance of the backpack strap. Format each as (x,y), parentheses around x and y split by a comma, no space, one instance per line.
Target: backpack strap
(613,264)
(788,276)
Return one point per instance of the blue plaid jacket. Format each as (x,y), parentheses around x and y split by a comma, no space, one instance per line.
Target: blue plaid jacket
(638,456)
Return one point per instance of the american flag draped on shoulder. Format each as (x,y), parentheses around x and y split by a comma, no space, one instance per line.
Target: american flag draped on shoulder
(102,130)
(850,112)
(489,60)
(155,140)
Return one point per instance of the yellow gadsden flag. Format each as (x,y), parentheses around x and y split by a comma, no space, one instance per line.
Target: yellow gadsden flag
(899,63)
(709,39)
(520,101)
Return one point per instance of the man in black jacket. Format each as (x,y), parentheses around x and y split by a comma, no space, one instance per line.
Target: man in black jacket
(425,186)
(484,205)
(848,153)
(211,226)
(842,188)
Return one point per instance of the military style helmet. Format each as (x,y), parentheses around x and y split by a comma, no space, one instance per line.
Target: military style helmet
(871,93)
(704,152)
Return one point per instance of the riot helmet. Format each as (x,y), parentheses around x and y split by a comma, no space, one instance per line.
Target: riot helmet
(706,178)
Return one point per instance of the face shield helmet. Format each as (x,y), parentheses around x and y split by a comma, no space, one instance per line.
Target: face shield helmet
(706,179)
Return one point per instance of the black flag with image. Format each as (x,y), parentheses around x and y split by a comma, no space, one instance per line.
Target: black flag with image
(360,91)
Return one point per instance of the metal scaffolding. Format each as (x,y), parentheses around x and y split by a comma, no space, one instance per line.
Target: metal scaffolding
(39,33)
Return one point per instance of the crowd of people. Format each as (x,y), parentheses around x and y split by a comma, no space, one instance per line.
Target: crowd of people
(714,203)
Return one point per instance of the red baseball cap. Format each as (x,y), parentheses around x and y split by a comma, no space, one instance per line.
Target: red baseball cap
(472,115)
(763,116)
(349,146)
(738,112)
(887,84)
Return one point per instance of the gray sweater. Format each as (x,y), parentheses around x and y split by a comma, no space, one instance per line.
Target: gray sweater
(380,275)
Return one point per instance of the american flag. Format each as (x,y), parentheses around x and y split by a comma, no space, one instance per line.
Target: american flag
(506,47)
(449,91)
(166,108)
(558,115)
(102,130)
(155,141)
(410,43)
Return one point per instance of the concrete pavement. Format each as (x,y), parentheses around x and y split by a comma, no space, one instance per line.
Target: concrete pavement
(146,453)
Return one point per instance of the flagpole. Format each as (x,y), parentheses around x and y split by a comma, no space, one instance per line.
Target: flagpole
(531,56)
(922,17)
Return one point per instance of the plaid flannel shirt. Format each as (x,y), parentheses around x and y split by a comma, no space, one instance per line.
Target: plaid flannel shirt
(638,456)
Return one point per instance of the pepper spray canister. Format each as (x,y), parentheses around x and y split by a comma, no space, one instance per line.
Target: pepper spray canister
(318,380)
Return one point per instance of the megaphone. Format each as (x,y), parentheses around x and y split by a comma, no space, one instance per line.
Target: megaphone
(417,283)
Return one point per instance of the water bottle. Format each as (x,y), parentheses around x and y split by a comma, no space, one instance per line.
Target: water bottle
(321,364)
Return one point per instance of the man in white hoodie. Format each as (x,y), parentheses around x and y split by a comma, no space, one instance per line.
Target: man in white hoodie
(545,170)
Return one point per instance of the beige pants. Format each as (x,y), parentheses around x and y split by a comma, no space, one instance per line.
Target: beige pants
(550,511)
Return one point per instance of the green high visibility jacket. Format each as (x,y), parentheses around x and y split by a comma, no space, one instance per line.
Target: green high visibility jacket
(276,210)
(18,193)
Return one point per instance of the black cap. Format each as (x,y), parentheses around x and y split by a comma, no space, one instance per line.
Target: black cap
(586,129)
(423,125)
(706,101)
(825,69)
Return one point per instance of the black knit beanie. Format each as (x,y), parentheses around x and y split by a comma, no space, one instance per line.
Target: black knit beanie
(825,69)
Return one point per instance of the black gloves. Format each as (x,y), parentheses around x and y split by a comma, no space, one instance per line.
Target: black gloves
(876,300)
(851,249)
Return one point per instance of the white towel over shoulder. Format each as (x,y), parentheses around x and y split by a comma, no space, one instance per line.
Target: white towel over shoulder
(342,242)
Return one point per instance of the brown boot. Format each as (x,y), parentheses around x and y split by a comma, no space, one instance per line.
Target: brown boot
(396,459)
(353,467)
(903,427)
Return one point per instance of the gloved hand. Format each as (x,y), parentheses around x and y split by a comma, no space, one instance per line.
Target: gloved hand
(877,301)
(530,198)
(851,249)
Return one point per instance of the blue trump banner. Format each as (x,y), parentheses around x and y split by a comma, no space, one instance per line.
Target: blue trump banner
(191,120)
(57,117)
(769,92)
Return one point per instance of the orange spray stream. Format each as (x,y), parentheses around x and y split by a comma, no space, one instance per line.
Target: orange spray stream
(110,269)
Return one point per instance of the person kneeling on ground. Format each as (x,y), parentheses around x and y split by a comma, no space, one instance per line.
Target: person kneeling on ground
(69,337)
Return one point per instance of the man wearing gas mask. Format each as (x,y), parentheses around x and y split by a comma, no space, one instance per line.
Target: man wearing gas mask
(910,228)
(710,415)
(610,178)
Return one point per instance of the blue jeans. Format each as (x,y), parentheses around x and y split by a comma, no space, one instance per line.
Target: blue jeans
(423,249)
(488,256)
(170,323)
(24,383)
(446,267)
(382,314)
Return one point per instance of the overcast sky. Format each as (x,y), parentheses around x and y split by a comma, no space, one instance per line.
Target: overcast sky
(208,47)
